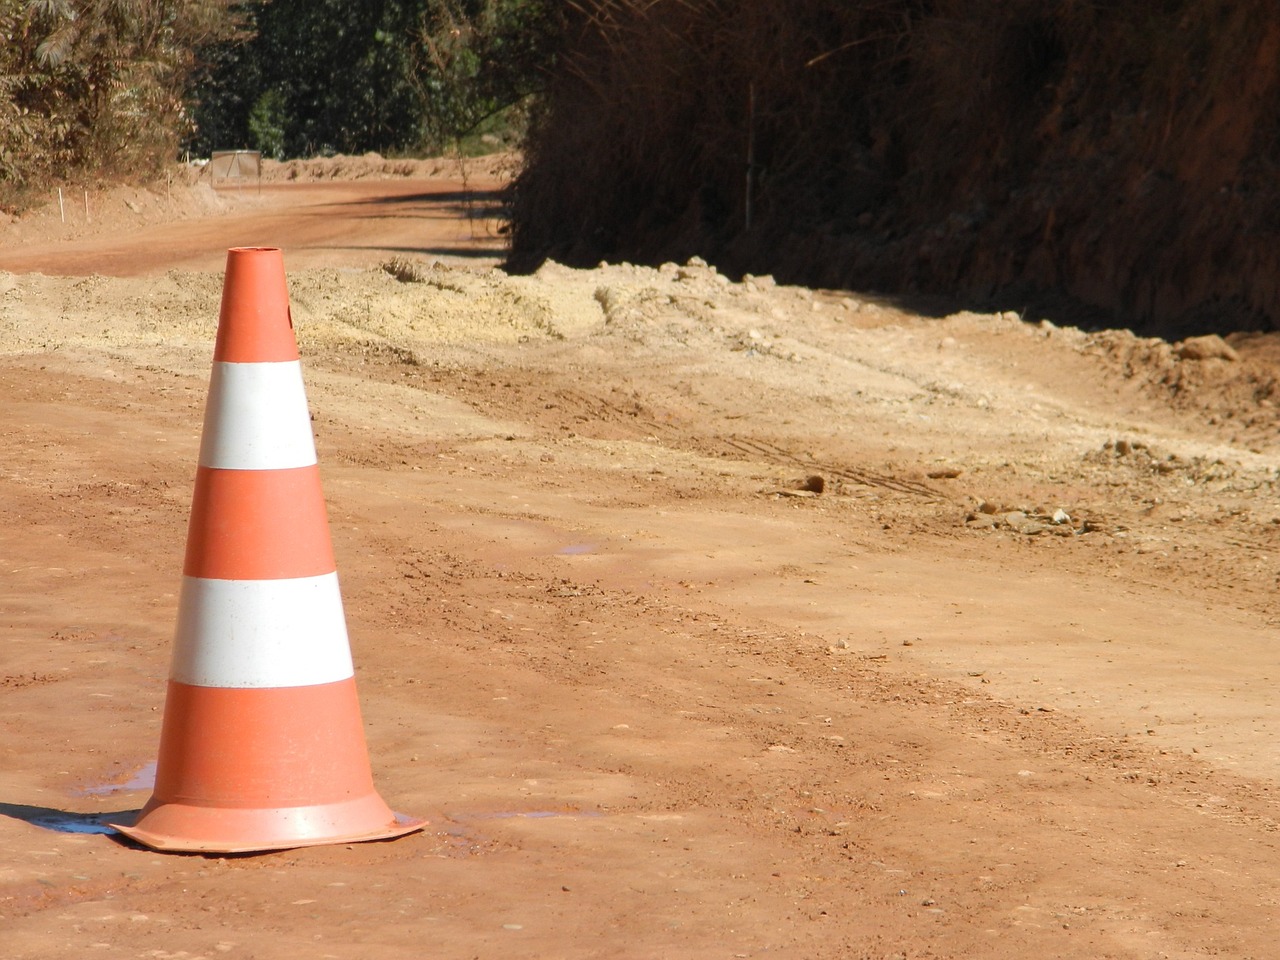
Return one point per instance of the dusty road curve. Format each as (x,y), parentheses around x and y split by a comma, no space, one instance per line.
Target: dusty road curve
(344,223)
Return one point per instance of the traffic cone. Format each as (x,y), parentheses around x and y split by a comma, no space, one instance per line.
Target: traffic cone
(262,745)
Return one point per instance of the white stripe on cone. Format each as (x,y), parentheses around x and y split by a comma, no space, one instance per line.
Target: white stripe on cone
(261,633)
(256,418)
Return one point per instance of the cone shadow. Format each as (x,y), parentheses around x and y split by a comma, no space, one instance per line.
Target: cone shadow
(65,821)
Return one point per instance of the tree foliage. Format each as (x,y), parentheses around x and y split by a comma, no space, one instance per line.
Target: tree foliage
(108,88)
(473,59)
(97,86)
(315,76)
(388,75)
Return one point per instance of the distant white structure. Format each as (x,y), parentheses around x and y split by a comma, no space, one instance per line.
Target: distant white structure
(235,165)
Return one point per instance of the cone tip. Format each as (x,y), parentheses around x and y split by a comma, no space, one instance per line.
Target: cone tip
(247,250)
(254,323)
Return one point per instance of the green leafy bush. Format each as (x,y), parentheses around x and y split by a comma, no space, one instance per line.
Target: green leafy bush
(395,76)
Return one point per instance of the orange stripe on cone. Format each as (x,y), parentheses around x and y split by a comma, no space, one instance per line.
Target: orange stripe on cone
(262,746)
(301,763)
(258,525)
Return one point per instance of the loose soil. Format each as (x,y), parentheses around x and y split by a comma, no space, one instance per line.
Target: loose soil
(701,619)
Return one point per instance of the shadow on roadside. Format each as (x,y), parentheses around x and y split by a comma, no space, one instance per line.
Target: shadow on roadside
(64,821)
(468,251)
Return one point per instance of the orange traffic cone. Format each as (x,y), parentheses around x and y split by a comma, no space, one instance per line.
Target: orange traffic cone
(262,746)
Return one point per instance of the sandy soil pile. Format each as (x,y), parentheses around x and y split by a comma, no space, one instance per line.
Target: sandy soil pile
(701,618)
(374,166)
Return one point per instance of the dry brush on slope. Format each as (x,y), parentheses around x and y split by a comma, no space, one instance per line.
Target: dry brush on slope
(1120,158)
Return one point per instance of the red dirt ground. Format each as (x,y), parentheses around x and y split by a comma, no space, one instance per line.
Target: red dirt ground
(657,696)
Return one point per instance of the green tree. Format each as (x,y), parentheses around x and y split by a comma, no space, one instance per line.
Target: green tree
(474,60)
(337,73)
(386,75)
(266,124)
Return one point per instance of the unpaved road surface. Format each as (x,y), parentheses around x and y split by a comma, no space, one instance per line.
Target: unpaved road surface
(1001,683)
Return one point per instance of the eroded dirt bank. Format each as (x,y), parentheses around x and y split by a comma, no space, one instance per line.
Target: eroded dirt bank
(1118,159)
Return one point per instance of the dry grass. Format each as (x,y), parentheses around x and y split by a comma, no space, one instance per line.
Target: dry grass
(1115,155)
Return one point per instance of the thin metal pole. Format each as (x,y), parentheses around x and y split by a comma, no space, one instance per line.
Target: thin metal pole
(751,149)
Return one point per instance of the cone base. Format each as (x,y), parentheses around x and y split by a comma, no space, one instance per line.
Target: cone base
(187,828)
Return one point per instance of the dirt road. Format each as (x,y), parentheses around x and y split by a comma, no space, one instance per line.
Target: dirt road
(998,684)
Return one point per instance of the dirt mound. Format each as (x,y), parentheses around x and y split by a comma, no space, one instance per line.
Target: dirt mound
(184,193)
(375,166)
(1230,385)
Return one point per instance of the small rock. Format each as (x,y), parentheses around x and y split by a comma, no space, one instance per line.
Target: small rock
(944,473)
(1209,347)
(814,483)
(987,506)
(1060,516)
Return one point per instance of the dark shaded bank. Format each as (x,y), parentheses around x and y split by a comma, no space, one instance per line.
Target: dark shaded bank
(1117,160)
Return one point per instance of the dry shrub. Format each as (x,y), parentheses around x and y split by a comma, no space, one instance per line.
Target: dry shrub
(93,90)
(1121,156)
(406,270)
